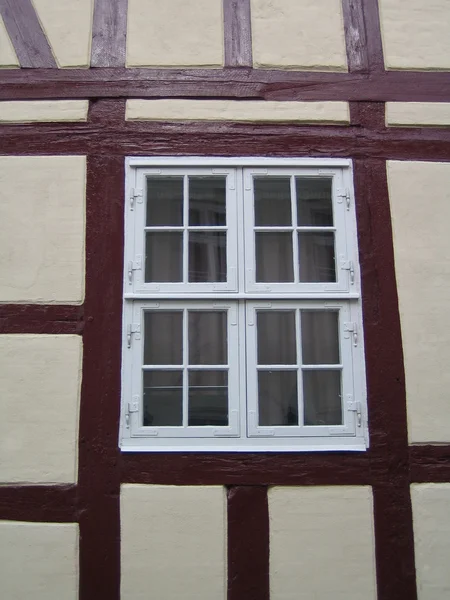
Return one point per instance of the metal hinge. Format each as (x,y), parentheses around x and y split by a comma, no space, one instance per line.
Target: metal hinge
(351,327)
(132,407)
(134,265)
(136,195)
(344,194)
(133,328)
(348,265)
(355,406)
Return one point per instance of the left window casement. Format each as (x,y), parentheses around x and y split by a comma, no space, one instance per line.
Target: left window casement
(242,313)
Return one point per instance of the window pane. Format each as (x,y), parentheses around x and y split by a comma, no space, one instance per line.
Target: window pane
(164,257)
(274,257)
(164,201)
(317,262)
(276,338)
(277,398)
(208,398)
(320,338)
(322,397)
(207,338)
(314,205)
(207,201)
(163,398)
(163,338)
(272,201)
(207,256)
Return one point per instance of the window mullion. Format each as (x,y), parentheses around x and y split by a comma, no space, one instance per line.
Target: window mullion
(301,411)
(295,248)
(185,369)
(185,231)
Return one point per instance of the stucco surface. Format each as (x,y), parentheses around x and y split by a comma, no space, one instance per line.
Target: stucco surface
(43,110)
(321,543)
(68,27)
(431,514)
(42,228)
(8,57)
(420,207)
(298,34)
(418,113)
(233,110)
(38,561)
(416,34)
(173,542)
(175,33)
(40,378)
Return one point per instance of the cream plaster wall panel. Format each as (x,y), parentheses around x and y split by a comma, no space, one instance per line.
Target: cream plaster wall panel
(233,110)
(420,207)
(173,542)
(426,114)
(40,378)
(175,33)
(431,517)
(42,228)
(8,57)
(298,34)
(68,26)
(416,34)
(38,561)
(43,110)
(321,543)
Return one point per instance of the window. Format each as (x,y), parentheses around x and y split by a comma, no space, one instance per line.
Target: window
(242,312)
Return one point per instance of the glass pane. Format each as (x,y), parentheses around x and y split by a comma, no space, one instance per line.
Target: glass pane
(314,205)
(317,262)
(322,397)
(208,398)
(163,257)
(277,398)
(164,201)
(207,201)
(274,257)
(320,337)
(163,398)
(272,201)
(207,256)
(207,338)
(276,338)
(163,337)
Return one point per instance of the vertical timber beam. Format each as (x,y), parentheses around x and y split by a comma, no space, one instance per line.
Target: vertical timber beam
(237,33)
(109,33)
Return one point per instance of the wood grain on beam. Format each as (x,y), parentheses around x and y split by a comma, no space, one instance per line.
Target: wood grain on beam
(27,36)
(237,33)
(355,36)
(109,33)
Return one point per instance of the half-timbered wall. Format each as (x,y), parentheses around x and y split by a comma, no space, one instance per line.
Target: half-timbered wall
(86,83)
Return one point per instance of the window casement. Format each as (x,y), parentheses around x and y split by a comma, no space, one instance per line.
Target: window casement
(242,326)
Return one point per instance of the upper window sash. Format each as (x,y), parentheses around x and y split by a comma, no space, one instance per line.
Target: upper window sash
(186,245)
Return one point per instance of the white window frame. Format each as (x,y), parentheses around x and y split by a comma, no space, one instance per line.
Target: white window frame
(241,297)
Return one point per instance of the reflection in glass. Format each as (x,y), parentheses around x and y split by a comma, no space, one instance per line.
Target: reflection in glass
(163,337)
(207,337)
(163,257)
(322,397)
(274,257)
(314,205)
(207,201)
(163,398)
(276,337)
(208,398)
(320,338)
(277,398)
(207,256)
(272,201)
(317,259)
(164,201)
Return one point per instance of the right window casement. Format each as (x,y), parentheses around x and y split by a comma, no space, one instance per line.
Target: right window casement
(242,311)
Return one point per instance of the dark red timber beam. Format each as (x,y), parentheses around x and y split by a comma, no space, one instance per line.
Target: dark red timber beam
(248,543)
(39,503)
(26,34)
(389,454)
(109,33)
(429,464)
(237,33)
(36,318)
